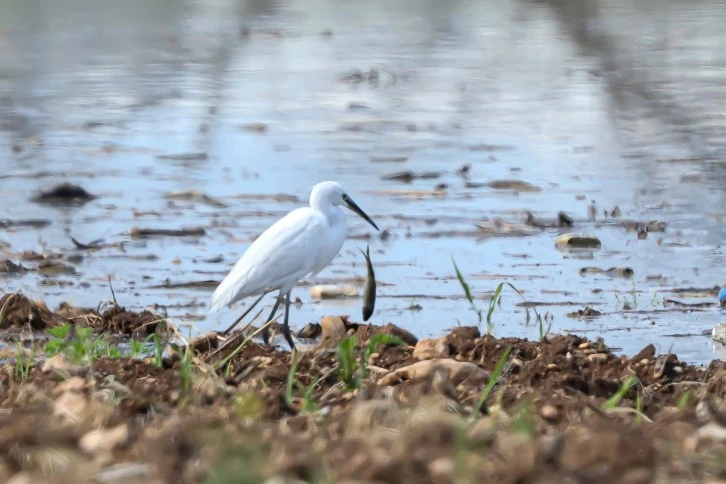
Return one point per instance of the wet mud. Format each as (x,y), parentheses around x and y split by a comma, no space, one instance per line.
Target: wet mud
(565,409)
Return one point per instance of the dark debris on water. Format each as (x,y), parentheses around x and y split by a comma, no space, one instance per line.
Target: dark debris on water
(64,194)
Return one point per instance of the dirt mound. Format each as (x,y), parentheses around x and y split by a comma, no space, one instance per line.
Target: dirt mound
(17,310)
(119,320)
(565,409)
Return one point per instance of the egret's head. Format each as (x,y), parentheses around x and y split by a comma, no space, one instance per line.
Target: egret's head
(333,193)
(722,296)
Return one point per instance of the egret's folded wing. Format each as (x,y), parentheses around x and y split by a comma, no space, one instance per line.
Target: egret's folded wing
(283,254)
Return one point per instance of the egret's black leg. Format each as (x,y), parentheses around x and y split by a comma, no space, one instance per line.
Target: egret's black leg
(286,328)
(226,331)
(266,329)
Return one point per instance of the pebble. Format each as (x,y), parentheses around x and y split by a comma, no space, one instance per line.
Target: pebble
(552,366)
(332,327)
(719,333)
(71,405)
(597,357)
(331,291)
(577,240)
(548,412)
(75,384)
(60,364)
(441,469)
(584,345)
(21,478)
(104,440)
(457,371)
(428,349)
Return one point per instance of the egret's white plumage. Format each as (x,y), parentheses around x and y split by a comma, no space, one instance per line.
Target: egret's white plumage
(300,244)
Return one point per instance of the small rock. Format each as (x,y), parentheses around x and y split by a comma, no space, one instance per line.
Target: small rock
(75,384)
(440,383)
(21,478)
(64,194)
(597,357)
(388,159)
(516,185)
(104,440)
(564,220)
(483,431)
(626,272)
(501,227)
(184,157)
(580,241)
(549,412)
(553,367)
(584,346)
(51,267)
(255,127)
(719,333)
(60,364)
(645,354)
(332,327)
(588,312)
(9,267)
(408,176)
(331,291)
(310,331)
(458,372)
(428,349)
(406,336)
(441,469)
(71,405)
(194,196)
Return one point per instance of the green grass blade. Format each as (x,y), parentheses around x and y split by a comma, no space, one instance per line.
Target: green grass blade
(464,284)
(620,394)
(492,381)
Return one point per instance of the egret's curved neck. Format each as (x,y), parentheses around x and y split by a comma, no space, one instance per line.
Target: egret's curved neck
(331,212)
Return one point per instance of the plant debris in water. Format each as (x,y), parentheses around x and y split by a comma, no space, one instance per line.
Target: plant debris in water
(369,405)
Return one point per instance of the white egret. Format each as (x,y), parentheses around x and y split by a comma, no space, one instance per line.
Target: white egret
(300,244)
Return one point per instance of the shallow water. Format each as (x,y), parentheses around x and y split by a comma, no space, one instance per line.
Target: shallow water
(600,101)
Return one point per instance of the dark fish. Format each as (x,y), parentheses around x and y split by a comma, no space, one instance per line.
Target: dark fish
(369,296)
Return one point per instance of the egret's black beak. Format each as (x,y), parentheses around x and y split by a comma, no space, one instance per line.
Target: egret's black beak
(355,208)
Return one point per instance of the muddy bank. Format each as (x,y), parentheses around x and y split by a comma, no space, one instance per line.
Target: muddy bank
(368,403)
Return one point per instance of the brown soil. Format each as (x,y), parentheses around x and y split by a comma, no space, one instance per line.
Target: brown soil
(126,420)
(17,311)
